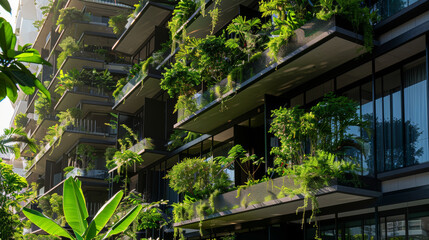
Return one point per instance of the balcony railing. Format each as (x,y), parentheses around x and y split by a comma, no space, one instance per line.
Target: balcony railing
(78,172)
(130,85)
(91,126)
(110,2)
(225,88)
(94,91)
(142,145)
(387,8)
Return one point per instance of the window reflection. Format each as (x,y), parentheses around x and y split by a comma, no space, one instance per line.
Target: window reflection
(415,101)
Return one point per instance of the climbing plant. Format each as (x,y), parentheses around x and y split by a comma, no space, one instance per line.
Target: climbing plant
(69,46)
(42,107)
(118,22)
(21,120)
(52,207)
(313,146)
(68,16)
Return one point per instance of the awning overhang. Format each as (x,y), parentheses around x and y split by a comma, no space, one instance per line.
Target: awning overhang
(153,14)
(148,87)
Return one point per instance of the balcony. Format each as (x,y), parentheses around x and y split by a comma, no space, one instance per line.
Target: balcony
(79,30)
(72,98)
(143,27)
(148,154)
(78,172)
(101,7)
(137,89)
(88,130)
(39,133)
(265,200)
(317,47)
(86,60)
(388,8)
(199,26)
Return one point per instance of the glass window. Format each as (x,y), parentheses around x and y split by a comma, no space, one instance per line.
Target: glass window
(327,232)
(393,227)
(392,113)
(367,115)
(415,101)
(379,124)
(354,94)
(353,230)
(418,226)
(297,101)
(369,230)
(319,91)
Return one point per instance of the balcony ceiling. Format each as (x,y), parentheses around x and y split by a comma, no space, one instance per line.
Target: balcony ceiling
(68,140)
(327,197)
(42,128)
(153,14)
(95,106)
(72,99)
(320,54)
(138,94)
(80,30)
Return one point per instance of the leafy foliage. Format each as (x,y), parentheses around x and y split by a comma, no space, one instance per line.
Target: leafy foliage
(198,178)
(21,120)
(11,187)
(86,155)
(180,137)
(12,136)
(52,207)
(183,10)
(249,164)
(118,22)
(76,213)
(313,146)
(290,15)
(150,217)
(68,16)
(13,72)
(42,107)
(69,46)
(138,69)
(325,127)
(90,78)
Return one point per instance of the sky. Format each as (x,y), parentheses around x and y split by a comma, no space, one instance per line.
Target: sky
(6,110)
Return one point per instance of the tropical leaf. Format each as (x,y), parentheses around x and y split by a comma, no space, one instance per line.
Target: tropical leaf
(103,215)
(124,222)
(45,223)
(74,206)
(5,5)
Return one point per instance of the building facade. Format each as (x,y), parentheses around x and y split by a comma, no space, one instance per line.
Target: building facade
(389,84)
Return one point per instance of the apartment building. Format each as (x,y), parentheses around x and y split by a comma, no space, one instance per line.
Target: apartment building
(389,83)
(79,50)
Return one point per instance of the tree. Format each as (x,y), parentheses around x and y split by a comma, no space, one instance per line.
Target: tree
(15,135)
(11,195)
(76,214)
(12,70)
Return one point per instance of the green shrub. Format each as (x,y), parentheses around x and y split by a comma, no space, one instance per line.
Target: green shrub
(21,120)
(118,23)
(69,46)
(68,16)
(42,107)
(198,178)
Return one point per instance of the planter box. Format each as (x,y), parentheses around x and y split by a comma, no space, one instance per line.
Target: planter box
(265,200)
